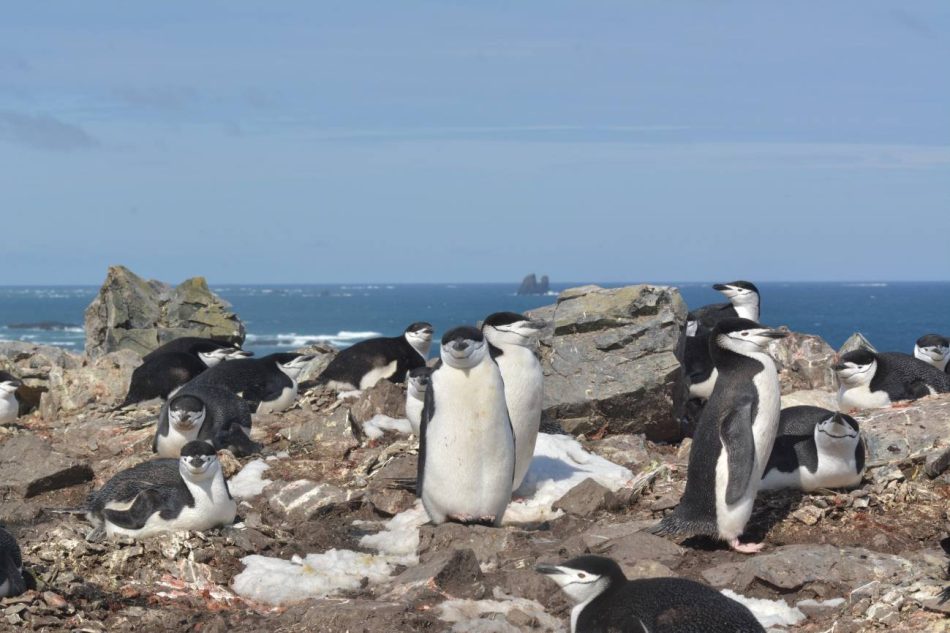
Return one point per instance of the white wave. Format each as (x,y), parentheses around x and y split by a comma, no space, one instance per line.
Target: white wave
(876,284)
(343,338)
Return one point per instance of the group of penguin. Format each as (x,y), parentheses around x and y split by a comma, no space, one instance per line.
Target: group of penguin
(476,411)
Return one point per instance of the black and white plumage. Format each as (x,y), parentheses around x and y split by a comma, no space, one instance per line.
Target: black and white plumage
(606,602)
(12,582)
(698,365)
(207,413)
(364,364)
(744,303)
(163,495)
(266,384)
(513,343)
(161,375)
(466,443)
(733,437)
(934,349)
(815,448)
(209,351)
(869,380)
(417,382)
(9,406)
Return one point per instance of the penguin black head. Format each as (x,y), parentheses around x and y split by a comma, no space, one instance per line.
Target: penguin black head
(736,288)
(9,383)
(198,460)
(290,363)
(584,577)
(743,336)
(933,349)
(856,368)
(418,378)
(421,328)
(835,429)
(511,328)
(419,335)
(463,347)
(186,412)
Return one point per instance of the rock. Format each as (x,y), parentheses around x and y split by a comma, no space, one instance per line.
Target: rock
(33,364)
(937,462)
(628,550)
(586,498)
(455,573)
(610,359)
(531,286)
(301,499)
(855,341)
(809,515)
(804,361)
(384,398)
(811,397)
(485,542)
(915,430)
(29,466)
(132,313)
(626,449)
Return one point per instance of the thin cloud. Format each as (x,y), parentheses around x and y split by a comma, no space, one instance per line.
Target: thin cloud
(448,132)
(43,131)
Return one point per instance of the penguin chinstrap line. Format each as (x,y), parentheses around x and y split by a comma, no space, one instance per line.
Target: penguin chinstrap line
(417,382)
(606,601)
(869,380)
(934,349)
(733,437)
(466,443)
(744,303)
(207,413)
(513,344)
(267,384)
(9,405)
(362,365)
(12,581)
(815,448)
(209,351)
(164,495)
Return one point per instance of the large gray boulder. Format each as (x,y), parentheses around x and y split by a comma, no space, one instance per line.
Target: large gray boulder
(804,362)
(139,315)
(611,359)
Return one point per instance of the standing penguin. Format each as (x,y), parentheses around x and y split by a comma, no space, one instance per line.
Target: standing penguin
(164,495)
(606,601)
(733,437)
(266,384)
(466,443)
(363,365)
(934,350)
(815,448)
(9,407)
(417,381)
(209,351)
(12,582)
(207,413)
(513,340)
(870,380)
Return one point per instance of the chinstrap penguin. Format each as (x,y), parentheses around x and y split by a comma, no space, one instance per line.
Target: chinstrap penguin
(466,443)
(161,375)
(417,381)
(815,448)
(364,364)
(12,582)
(513,341)
(934,350)
(869,380)
(164,495)
(266,384)
(9,406)
(699,368)
(207,413)
(209,351)
(733,437)
(744,302)
(605,601)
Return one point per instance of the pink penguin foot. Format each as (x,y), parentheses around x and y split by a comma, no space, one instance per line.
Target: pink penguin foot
(746,548)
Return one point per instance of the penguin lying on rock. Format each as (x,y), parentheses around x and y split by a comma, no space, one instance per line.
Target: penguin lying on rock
(208,413)
(870,380)
(364,364)
(934,349)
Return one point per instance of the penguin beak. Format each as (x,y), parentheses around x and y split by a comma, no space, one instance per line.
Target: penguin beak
(774,334)
(547,570)
(721,287)
(459,345)
(839,366)
(306,359)
(240,353)
(16,384)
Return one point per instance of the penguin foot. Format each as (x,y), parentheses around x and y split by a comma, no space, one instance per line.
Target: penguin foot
(900,405)
(472,520)
(746,548)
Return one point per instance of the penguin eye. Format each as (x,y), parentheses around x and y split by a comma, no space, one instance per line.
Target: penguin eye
(745,334)
(582,575)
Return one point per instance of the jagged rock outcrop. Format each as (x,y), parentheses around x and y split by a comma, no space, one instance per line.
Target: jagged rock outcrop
(531,286)
(856,341)
(804,361)
(139,315)
(611,359)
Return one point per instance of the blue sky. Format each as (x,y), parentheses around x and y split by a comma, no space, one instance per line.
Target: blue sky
(475,141)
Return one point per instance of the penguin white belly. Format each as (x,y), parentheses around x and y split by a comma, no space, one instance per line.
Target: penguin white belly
(523,379)
(213,507)
(470,457)
(705,388)
(832,472)
(862,398)
(170,445)
(731,519)
(376,374)
(283,402)
(8,409)
(414,413)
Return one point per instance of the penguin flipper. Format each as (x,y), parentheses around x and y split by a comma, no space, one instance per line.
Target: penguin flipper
(147,503)
(735,431)
(428,409)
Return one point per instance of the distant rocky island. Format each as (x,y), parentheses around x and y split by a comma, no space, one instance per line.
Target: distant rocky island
(531,286)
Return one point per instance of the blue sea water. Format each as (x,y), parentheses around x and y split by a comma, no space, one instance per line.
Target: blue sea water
(283,317)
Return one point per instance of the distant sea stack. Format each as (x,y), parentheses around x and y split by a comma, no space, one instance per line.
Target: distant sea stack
(531,286)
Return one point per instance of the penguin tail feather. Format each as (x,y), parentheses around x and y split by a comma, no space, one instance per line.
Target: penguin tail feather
(670,524)
(402,483)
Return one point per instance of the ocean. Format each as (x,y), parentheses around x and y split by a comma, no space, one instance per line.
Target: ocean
(284,317)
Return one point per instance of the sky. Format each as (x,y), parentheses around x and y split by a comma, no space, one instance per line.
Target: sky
(449,141)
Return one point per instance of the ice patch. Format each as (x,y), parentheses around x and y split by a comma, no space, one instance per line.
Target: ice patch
(768,612)
(249,482)
(559,464)
(376,426)
(278,582)
(469,616)
(399,538)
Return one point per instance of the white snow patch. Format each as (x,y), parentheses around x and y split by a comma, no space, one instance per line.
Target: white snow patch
(768,612)
(468,616)
(821,604)
(278,582)
(559,464)
(343,395)
(376,426)
(249,482)
(399,538)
